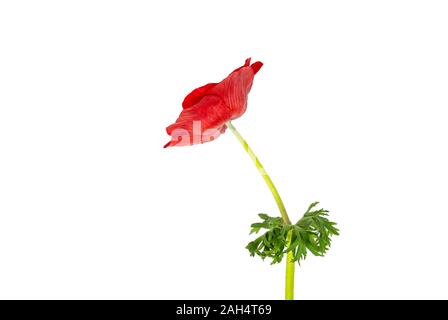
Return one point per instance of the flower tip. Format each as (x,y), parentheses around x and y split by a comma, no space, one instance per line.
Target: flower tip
(247,62)
(256,66)
(169,144)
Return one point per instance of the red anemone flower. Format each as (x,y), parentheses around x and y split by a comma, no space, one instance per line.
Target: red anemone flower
(207,109)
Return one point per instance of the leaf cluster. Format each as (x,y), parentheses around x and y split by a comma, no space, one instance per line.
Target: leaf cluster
(311,233)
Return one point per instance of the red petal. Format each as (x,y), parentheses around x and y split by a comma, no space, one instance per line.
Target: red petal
(200,123)
(196,95)
(207,109)
(256,66)
(246,64)
(234,89)
(169,144)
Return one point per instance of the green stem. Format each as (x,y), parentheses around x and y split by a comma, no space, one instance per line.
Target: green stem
(289,285)
(290,265)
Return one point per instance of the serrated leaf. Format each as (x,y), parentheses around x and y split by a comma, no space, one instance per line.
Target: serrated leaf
(311,233)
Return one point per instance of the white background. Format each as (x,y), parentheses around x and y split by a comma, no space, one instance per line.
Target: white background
(349,109)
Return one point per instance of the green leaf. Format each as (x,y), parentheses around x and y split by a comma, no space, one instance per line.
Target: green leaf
(312,233)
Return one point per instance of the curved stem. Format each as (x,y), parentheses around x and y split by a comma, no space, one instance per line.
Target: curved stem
(263,173)
(289,286)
